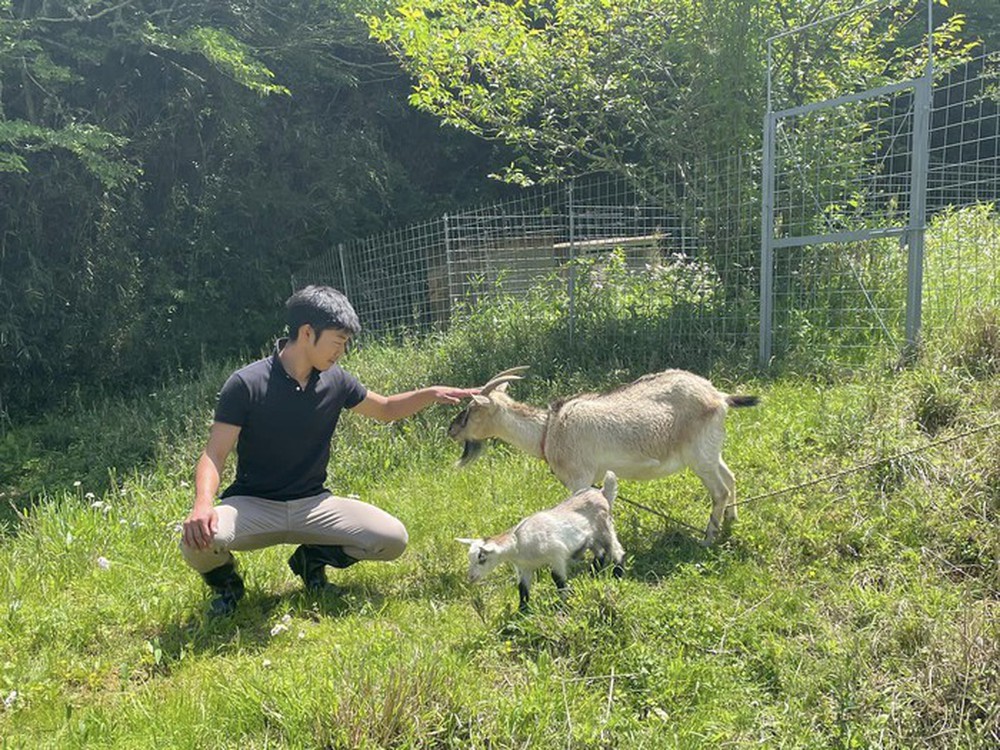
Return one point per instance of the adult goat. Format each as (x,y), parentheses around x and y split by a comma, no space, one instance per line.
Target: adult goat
(655,426)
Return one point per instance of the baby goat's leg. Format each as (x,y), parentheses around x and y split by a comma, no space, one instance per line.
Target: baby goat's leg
(523,588)
(617,552)
(559,577)
(608,544)
(600,562)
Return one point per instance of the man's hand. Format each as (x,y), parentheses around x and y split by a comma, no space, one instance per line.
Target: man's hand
(445,394)
(391,408)
(200,527)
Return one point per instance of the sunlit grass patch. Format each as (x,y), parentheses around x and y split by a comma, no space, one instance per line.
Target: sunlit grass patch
(855,612)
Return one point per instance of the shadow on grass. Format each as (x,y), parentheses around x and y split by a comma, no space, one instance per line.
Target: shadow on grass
(249,628)
(659,554)
(436,585)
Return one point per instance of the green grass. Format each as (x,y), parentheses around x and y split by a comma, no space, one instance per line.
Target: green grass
(853,614)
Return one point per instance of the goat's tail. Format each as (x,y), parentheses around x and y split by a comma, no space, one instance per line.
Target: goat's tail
(610,488)
(738,402)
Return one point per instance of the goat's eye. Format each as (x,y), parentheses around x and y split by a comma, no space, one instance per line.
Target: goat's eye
(482,557)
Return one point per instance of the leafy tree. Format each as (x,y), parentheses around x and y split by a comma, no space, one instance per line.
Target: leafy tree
(640,85)
(166,165)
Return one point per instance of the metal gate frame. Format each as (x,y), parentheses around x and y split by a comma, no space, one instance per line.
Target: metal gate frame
(914,230)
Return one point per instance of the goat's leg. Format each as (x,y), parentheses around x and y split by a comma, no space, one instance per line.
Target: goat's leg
(617,552)
(523,589)
(599,562)
(727,477)
(575,479)
(559,577)
(718,489)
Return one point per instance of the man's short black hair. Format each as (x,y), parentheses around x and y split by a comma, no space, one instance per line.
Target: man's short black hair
(322,307)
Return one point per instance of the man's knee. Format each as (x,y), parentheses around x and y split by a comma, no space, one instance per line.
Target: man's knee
(204,560)
(393,542)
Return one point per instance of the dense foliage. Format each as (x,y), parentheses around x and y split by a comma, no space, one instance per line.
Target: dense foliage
(165,165)
(645,85)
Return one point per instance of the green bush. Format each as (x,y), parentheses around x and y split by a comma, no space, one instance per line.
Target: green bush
(621,321)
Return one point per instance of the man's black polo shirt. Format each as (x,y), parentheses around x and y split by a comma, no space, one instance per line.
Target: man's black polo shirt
(284,443)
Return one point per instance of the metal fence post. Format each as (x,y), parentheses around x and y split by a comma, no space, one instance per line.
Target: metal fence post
(572,263)
(766,244)
(343,269)
(448,263)
(916,231)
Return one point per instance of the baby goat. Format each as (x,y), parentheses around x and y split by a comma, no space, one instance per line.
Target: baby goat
(652,427)
(551,538)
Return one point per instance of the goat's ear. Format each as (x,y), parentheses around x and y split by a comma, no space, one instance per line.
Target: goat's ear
(502,388)
(466,541)
(482,400)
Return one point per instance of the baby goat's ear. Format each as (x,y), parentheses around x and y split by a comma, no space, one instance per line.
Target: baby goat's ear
(466,541)
(482,400)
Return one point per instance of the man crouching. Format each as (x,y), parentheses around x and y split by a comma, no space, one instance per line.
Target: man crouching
(280,414)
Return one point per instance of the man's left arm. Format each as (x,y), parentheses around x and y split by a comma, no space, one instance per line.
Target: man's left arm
(401,405)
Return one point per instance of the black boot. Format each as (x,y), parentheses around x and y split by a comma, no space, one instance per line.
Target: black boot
(309,561)
(227,586)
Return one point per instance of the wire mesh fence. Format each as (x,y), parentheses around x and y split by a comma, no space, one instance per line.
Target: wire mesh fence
(671,266)
(962,264)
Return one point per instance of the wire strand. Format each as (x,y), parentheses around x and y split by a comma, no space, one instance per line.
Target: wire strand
(819,480)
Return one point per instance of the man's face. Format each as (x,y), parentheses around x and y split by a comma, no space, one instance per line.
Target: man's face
(327,348)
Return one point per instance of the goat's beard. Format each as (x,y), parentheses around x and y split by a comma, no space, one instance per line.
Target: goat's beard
(473,449)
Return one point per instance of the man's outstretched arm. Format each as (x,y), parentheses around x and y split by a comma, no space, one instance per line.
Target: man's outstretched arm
(401,405)
(203,521)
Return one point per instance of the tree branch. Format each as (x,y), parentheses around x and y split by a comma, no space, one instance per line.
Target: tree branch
(80,18)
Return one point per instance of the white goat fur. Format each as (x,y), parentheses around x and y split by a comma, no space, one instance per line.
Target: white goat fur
(653,427)
(551,538)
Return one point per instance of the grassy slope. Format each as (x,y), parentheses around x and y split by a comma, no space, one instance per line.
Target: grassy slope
(857,613)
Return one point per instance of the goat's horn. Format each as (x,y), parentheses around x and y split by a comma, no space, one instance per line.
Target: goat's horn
(486,389)
(507,376)
(513,371)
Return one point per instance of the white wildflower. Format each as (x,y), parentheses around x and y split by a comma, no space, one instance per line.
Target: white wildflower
(99,504)
(77,483)
(286,619)
(8,702)
(267,663)
(302,634)
(103,563)
(89,496)
(279,628)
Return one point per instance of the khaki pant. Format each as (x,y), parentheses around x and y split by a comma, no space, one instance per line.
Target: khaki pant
(364,531)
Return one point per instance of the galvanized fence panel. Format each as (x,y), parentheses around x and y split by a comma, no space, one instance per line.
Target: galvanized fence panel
(684,248)
(962,263)
(674,265)
(845,218)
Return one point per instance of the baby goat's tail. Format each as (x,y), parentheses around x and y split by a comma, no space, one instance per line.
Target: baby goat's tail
(610,489)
